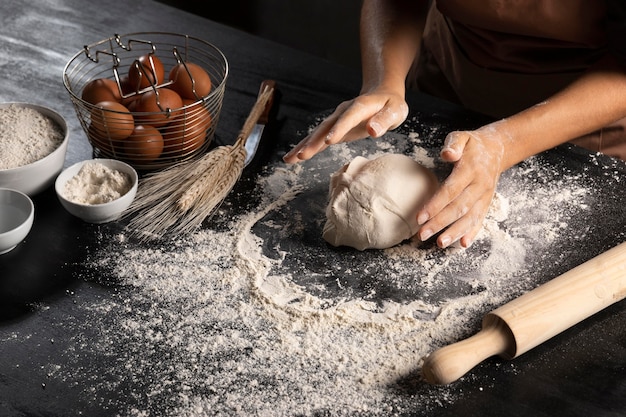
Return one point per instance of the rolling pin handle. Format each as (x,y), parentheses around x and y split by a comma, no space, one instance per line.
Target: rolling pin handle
(451,362)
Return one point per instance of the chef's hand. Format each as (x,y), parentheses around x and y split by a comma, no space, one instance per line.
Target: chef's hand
(370,114)
(461,203)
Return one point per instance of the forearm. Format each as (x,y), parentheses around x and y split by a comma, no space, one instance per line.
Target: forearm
(595,100)
(391,33)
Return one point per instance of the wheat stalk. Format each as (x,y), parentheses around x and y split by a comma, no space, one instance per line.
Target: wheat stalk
(178,199)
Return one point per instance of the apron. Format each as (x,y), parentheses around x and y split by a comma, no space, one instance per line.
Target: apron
(508,80)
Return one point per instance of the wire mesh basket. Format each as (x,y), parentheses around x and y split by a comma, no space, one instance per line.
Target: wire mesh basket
(151,99)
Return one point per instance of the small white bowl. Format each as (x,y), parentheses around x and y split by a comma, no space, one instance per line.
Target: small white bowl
(97,213)
(16,218)
(39,175)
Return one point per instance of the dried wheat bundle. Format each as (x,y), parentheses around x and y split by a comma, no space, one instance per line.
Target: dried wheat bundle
(178,199)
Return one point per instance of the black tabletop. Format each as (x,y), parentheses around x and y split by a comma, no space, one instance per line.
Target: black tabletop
(84,332)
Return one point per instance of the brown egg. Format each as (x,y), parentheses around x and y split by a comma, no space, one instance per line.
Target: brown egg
(127,90)
(112,119)
(145,71)
(187,133)
(156,105)
(131,102)
(125,84)
(101,89)
(144,145)
(183,84)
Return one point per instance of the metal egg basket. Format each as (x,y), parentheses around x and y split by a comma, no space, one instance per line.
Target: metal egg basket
(112,58)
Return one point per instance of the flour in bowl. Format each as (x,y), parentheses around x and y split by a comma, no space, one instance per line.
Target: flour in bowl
(96,183)
(27,136)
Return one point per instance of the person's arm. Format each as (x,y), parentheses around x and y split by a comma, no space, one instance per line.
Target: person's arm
(390,38)
(391,33)
(595,100)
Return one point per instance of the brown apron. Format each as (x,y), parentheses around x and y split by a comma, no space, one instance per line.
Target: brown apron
(444,70)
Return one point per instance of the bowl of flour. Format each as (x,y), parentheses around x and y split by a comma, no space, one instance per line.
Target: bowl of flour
(33,146)
(97,190)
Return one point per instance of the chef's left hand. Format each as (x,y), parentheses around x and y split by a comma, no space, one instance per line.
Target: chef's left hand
(461,203)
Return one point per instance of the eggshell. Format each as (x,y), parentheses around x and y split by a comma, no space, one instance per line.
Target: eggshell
(184,85)
(131,102)
(127,90)
(145,71)
(112,119)
(145,144)
(125,84)
(187,133)
(101,89)
(155,105)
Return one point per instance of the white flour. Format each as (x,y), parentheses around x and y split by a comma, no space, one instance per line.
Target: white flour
(211,325)
(26,136)
(96,183)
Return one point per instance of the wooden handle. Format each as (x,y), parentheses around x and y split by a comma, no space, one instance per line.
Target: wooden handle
(536,316)
(260,108)
(269,85)
(451,362)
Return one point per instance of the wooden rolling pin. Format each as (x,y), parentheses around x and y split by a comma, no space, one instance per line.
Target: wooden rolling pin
(535,317)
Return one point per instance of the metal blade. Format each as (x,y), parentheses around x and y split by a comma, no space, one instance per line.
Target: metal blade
(252,143)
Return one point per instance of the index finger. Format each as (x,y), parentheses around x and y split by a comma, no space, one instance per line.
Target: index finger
(308,146)
(449,190)
(345,124)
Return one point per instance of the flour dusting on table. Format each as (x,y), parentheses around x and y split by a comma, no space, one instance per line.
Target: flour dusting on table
(233,321)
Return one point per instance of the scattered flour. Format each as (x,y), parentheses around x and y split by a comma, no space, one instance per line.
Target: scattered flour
(96,183)
(26,136)
(229,322)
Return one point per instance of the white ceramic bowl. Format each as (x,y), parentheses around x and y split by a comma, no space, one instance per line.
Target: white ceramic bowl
(97,213)
(39,175)
(16,218)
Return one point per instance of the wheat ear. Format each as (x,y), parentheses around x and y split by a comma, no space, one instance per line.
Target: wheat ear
(210,168)
(179,198)
(222,165)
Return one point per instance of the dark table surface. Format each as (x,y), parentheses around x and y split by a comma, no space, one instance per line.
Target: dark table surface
(46,282)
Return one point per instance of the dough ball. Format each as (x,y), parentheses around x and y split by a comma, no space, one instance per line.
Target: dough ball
(374,203)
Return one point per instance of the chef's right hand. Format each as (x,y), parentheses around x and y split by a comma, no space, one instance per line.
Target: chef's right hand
(370,114)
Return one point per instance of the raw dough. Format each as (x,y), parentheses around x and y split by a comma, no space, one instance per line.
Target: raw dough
(374,203)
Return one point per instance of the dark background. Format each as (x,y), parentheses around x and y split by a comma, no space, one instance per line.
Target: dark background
(326,28)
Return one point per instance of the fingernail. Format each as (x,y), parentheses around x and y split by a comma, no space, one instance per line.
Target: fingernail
(445,241)
(422,218)
(425,235)
(300,151)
